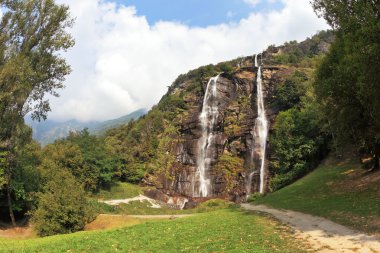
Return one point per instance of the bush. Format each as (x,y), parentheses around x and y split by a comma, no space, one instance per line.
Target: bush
(62,206)
(253,197)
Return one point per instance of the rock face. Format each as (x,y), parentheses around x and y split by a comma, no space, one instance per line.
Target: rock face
(231,156)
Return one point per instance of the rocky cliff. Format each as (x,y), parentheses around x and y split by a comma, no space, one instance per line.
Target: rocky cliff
(232,153)
(167,139)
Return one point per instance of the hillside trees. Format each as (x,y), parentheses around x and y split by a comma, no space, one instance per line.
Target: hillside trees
(298,141)
(86,157)
(33,33)
(347,83)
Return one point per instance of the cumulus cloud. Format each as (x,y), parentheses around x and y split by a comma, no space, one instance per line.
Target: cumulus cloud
(122,63)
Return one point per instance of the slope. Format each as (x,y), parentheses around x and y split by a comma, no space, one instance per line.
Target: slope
(339,190)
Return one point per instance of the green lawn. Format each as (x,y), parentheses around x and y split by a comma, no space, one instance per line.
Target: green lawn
(338,190)
(144,208)
(227,230)
(119,191)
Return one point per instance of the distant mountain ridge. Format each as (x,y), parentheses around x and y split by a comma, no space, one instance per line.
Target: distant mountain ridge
(48,131)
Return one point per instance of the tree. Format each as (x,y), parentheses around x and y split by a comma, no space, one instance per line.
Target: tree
(62,205)
(347,83)
(33,33)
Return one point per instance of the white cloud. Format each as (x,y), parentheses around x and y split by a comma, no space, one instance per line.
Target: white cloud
(121,63)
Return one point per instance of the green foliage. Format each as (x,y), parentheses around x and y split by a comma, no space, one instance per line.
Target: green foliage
(347,82)
(97,162)
(229,167)
(136,144)
(3,161)
(303,53)
(26,180)
(297,145)
(255,196)
(234,120)
(119,190)
(226,67)
(171,105)
(33,34)
(62,206)
(293,53)
(289,93)
(86,157)
(212,205)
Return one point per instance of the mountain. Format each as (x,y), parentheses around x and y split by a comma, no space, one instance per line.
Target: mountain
(48,131)
(216,134)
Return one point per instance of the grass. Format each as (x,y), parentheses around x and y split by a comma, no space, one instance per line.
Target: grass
(104,221)
(119,191)
(340,191)
(227,230)
(144,208)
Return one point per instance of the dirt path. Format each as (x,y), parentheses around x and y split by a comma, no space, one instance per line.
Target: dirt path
(321,234)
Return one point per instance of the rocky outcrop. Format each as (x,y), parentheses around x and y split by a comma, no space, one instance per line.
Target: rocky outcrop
(231,155)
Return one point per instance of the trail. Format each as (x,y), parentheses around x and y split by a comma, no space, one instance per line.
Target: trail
(321,234)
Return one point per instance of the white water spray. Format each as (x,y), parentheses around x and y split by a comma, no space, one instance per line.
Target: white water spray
(260,132)
(261,128)
(207,118)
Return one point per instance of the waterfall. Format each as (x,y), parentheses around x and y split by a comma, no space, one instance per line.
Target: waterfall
(260,132)
(261,128)
(207,119)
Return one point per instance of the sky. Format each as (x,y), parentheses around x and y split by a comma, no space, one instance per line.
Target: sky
(128,52)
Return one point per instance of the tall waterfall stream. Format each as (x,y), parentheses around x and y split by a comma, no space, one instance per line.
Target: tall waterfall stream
(260,133)
(207,118)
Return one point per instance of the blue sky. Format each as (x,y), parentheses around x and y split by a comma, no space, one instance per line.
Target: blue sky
(198,12)
(124,59)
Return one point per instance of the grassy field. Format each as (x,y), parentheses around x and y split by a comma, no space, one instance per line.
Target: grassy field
(227,230)
(338,190)
(119,191)
(144,208)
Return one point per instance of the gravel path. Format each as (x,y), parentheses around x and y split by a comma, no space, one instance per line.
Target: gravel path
(321,234)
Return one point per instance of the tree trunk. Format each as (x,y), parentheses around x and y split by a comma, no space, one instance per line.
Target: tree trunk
(376,157)
(11,214)
(376,160)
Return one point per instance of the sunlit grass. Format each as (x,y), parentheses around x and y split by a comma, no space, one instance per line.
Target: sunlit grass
(228,230)
(119,191)
(340,191)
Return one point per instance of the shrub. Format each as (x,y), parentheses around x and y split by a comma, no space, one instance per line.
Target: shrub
(253,197)
(62,206)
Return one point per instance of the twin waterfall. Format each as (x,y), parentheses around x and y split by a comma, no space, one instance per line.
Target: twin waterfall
(202,186)
(208,119)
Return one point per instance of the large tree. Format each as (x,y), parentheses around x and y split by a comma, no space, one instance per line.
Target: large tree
(33,33)
(348,80)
